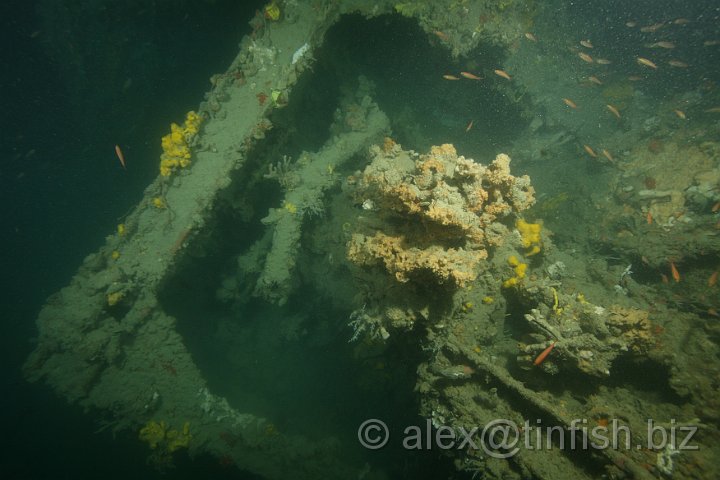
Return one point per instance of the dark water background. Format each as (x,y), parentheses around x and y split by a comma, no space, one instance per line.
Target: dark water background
(75,80)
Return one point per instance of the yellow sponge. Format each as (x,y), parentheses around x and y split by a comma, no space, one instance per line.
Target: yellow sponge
(175,145)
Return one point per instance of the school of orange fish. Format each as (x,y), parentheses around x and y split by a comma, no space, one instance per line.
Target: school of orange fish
(586,57)
(642,61)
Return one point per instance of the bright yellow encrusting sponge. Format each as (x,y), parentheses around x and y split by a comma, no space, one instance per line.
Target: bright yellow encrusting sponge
(178,439)
(159,203)
(531,241)
(272,12)
(290,207)
(153,433)
(157,435)
(519,268)
(176,150)
(114,298)
(530,234)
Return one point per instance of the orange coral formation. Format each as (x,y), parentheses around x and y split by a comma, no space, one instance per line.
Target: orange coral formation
(454,264)
(457,201)
(633,325)
(388,145)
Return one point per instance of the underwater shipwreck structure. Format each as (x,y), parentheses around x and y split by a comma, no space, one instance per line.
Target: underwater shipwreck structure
(256,228)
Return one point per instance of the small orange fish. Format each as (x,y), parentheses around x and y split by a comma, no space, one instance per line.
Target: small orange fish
(649,217)
(712,281)
(586,43)
(569,103)
(646,62)
(450,77)
(530,37)
(595,80)
(614,110)
(543,355)
(470,76)
(441,35)
(677,64)
(680,114)
(608,156)
(503,74)
(603,61)
(652,28)
(667,45)
(585,57)
(469,126)
(590,151)
(120,156)
(674,272)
